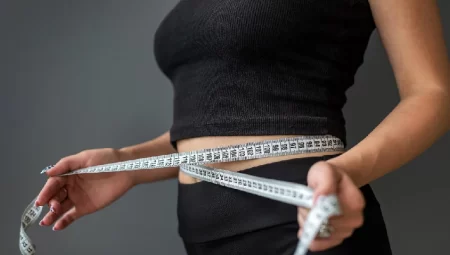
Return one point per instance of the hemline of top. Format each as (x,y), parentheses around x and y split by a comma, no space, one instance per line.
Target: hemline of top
(304,127)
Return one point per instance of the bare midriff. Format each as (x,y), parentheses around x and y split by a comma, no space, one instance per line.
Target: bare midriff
(199,143)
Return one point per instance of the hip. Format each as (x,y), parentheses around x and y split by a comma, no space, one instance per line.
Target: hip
(217,220)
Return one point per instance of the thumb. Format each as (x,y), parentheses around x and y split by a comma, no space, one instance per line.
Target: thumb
(64,165)
(323,179)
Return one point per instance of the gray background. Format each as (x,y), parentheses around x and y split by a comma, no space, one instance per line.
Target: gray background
(78,75)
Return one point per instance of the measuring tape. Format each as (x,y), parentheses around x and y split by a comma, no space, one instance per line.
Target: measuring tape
(191,164)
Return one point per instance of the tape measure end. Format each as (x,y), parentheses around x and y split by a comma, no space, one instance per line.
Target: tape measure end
(47,168)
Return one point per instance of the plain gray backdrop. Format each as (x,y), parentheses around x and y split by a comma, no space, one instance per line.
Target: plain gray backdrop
(80,74)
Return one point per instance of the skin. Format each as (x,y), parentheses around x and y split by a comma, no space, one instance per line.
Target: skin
(411,32)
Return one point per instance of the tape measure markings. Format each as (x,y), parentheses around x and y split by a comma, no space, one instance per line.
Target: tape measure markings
(191,164)
(255,150)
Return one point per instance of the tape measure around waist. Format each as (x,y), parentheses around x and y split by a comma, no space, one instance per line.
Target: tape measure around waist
(191,164)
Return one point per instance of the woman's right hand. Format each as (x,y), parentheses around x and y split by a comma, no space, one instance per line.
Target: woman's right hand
(71,197)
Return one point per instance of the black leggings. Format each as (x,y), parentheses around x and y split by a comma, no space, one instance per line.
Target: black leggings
(217,220)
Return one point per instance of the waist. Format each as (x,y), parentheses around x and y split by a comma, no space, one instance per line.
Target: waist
(206,142)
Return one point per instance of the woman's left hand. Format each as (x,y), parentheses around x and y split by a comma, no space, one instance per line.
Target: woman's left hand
(327,179)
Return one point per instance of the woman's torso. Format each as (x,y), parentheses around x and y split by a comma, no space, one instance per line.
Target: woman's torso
(245,70)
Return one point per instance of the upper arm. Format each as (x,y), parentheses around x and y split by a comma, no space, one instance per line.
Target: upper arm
(411,33)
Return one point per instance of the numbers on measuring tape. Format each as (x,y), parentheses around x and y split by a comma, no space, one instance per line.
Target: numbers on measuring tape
(191,164)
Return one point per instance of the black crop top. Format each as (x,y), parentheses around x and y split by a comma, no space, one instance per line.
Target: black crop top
(262,67)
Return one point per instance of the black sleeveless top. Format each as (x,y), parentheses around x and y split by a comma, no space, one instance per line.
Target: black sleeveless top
(262,67)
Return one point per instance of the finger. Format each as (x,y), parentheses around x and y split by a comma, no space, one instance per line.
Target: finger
(50,189)
(342,233)
(65,165)
(324,179)
(341,229)
(55,202)
(354,220)
(68,218)
(303,211)
(324,244)
(300,218)
(51,217)
(350,197)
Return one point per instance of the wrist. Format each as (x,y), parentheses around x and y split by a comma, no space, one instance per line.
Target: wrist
(125,154)
(355,176)
(143,176)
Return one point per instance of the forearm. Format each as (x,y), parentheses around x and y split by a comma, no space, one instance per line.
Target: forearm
(412,127)
(155,147)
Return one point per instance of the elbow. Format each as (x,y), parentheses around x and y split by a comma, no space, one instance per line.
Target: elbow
(441,99)
(437,103)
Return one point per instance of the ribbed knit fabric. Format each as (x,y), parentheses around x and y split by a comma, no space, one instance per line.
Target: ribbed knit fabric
(262,67)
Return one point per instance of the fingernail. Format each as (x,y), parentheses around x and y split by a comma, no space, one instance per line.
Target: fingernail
(41,223)
(36,203)
(54,228)
(52,209)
